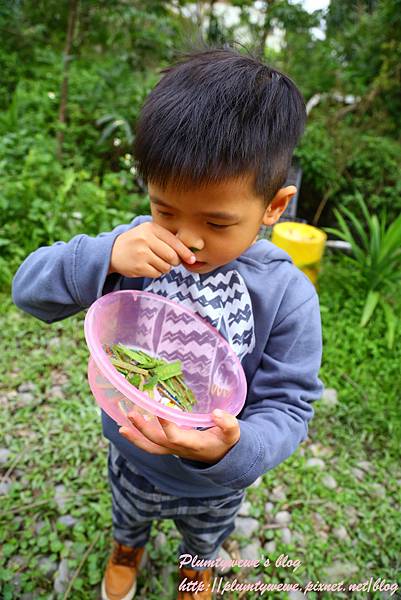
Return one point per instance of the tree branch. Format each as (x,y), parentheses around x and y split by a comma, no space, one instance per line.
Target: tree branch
(72,16)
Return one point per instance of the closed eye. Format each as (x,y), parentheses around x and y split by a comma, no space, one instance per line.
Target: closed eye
(215,225)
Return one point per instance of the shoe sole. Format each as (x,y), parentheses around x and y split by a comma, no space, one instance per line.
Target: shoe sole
(131,593)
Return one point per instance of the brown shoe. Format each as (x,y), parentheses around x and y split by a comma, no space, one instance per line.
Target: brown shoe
(195,585)
(119,581)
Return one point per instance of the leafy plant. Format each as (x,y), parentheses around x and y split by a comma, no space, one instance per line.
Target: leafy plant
(42,202)
(115,122)
(377,256)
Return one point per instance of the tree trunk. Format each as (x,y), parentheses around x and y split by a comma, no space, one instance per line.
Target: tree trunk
(213,32)
(265,29)
(62,115)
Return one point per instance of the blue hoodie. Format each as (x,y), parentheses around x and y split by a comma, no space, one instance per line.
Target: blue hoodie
(261,303)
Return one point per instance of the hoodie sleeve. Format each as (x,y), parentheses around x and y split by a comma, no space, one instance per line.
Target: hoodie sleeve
(275,419)
(57,281)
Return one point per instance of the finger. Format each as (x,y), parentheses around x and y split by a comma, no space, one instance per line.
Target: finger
(141,442)
(159,264)
(174,242)
(151,271)
(133,433)
(164,251)
(228,423)
(181,438)
(151,430)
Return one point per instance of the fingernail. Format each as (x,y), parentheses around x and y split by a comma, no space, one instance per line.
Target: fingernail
(218,412)
(192,259)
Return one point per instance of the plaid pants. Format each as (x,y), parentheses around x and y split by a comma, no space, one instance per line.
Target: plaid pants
(204,523)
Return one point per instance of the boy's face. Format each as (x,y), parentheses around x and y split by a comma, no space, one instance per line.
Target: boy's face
(221,220)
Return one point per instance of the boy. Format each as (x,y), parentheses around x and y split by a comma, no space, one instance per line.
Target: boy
(214,143)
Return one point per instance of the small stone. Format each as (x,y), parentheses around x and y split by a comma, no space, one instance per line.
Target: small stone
(245,509)
(365,466)
(4,454)
(299,538)
(17,577)
(168,575)
(54,342)
(5,487)
(16,562)
(329,397)
(62,577)
(251,551)
(56,391)
(319,450)
(270,547)
(340,533)
(58,377)
(358,473)
(39,526)
(253,578)
(339,570)
(173,533)
(283,517)
(295,595)
(269,507)
(59,496)
(28,386)
(352,515)
(387,595)
(329,482)
(160,541)
(256,483)
(68,544)
(47,566)
(286,536)
(26,397)
(318,521)
(278,494)
(246,526)
(317,463)
(67,520)
(377,490)
(223,569)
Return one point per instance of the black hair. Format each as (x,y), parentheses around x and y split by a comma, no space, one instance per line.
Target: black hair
(218,114)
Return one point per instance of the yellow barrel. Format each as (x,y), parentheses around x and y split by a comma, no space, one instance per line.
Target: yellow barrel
(304,243)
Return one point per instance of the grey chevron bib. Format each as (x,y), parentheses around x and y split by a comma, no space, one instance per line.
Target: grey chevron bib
(221,298)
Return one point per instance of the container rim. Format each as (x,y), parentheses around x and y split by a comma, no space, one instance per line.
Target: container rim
(320,235)
(122,385)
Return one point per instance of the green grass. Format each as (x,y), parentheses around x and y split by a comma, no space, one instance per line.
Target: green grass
(55,438)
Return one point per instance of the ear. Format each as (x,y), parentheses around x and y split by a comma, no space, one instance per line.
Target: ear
(278,205)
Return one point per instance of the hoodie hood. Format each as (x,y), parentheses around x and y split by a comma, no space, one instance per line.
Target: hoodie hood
(266,252)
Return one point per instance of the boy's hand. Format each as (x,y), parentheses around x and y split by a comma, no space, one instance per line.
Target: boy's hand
(147,250)
(160,436)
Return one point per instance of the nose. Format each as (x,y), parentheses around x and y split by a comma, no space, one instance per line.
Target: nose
(190,239)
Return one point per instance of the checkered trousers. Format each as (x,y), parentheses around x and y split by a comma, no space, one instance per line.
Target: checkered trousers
(204,523)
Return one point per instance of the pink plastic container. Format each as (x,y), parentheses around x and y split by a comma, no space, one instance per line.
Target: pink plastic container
(168,330)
